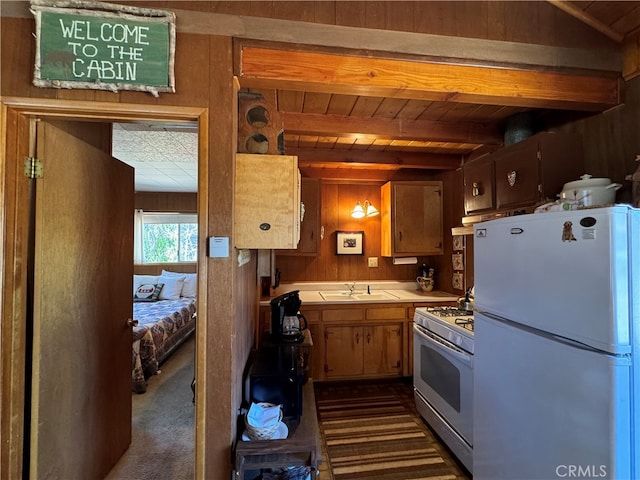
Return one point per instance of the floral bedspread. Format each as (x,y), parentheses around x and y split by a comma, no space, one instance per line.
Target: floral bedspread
(162,327)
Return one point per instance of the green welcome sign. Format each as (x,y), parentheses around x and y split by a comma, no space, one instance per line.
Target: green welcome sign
(104,47)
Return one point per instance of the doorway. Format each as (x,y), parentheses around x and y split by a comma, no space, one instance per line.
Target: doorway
(165,157)
(18,130)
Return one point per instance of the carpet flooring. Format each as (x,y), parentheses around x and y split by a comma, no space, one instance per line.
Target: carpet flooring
(373,431)
(163,432)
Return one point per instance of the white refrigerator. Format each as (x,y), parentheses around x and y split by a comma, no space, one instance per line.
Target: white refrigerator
(557,338)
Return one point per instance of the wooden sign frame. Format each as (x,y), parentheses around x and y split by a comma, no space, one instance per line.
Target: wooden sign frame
(103,46)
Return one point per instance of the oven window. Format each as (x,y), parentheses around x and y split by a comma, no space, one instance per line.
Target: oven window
(441,375)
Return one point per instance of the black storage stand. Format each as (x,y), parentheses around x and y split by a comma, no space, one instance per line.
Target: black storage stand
(301,448)
(279,374)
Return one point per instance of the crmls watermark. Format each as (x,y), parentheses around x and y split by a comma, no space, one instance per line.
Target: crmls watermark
(581,471)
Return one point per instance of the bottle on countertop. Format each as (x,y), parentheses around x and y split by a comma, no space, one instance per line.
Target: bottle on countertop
(424,270)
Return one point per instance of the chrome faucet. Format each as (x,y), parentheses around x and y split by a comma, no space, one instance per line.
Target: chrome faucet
(351,287)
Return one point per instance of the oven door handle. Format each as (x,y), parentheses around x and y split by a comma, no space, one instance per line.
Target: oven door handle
(442,344)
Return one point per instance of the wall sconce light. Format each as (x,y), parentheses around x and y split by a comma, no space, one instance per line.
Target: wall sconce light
(367,211)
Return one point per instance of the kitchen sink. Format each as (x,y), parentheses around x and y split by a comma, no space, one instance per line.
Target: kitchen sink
(346,296)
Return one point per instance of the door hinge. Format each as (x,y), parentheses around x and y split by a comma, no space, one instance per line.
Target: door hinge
(33,167)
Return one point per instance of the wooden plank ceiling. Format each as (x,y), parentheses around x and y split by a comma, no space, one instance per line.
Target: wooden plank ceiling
(360,117)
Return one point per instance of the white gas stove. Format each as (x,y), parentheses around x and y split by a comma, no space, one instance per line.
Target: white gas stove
(450,323)
(443,375)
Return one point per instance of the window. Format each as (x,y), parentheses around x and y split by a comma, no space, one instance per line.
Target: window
(165,237)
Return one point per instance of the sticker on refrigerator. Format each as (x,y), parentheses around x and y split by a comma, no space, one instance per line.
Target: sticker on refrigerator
(567,232)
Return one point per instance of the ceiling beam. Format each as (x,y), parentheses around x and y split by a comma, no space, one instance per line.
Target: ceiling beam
(584,17)
(459,49)
(352,75)
(360,175)
(390,129)
(354,159)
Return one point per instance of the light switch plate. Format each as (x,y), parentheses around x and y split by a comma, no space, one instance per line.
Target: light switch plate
(373,261)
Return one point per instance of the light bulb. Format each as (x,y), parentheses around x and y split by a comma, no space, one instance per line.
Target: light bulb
(358,211)
(371,210)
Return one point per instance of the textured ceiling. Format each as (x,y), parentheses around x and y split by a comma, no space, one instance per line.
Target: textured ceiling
(165,157)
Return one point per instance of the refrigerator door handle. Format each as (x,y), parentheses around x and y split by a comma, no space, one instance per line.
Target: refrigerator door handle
(553,337)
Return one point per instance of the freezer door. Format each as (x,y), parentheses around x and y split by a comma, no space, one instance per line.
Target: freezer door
(543,409)
(567,273)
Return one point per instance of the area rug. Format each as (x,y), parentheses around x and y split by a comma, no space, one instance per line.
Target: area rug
(372,431)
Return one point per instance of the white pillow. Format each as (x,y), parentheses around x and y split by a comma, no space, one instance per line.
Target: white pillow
(172,287)
(144,280)
(190,287)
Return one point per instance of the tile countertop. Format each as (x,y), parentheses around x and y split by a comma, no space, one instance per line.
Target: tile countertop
(401,292)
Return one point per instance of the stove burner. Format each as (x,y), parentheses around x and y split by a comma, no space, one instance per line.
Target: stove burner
(465,322)
(449,311)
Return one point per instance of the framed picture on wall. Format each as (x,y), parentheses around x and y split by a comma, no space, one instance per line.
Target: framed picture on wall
(458,242)
(349,243)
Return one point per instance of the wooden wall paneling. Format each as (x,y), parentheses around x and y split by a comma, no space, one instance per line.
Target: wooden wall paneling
(338,199)
(325,12)
(436,18)
(350,14)
(192,71)
(229,335)
(631,57)
(83,95)
(329,218)
(546,16)
(472,18)
(453,211)
(518,21)
(496,22)
(571,32)
(18,58)
(400,15)
(258,9)
(611,141)
(181,202)
(375,14)
(156,268)
(296,11)
(13,288)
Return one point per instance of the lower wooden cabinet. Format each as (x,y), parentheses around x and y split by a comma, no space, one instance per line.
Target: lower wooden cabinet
(367,350)
(364,341)
(357,341)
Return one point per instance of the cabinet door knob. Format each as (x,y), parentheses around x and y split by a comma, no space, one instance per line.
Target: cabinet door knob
(476,190)
(512,177)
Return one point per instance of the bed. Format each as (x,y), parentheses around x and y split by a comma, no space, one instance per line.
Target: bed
(165,321)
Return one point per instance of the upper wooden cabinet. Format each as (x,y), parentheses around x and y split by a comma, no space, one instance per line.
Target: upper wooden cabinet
(310,223)
(524,174)
(267,201)
(479,188)
(411,222)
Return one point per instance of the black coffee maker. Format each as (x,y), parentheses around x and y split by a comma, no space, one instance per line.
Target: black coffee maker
(287,324)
